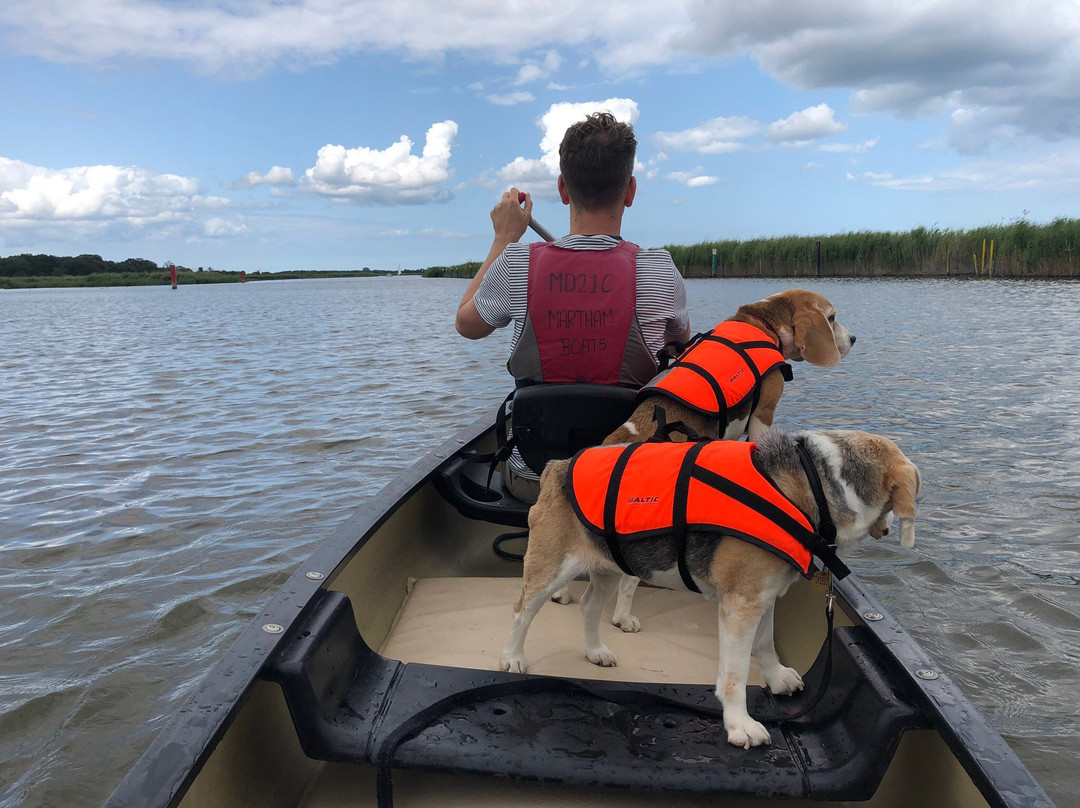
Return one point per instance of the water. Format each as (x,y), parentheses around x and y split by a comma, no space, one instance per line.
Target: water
(168,457)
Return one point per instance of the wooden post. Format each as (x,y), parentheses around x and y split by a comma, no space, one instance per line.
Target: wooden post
(817,258)
(172,274)
(714,262)
(991,258)
(982,271)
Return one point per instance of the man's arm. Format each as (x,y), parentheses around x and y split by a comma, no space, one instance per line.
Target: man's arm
(510,221)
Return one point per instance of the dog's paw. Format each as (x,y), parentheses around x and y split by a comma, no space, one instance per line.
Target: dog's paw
(512,664)
(748,733)
(602,656)
(563,596)
(627,622)
(783,681)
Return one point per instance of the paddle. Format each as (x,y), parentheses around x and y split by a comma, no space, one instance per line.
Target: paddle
(535,225)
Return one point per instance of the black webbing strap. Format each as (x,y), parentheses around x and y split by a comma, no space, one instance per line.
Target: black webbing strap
(825,547)
(611,502)
(741,349)
(813,542)
(663,431)
(613,693)
(678,513)
(714,385)
(504,442)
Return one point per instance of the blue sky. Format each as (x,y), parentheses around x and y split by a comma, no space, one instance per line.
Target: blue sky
(324,134)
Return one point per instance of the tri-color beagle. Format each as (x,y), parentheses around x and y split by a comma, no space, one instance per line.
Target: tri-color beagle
(578,527)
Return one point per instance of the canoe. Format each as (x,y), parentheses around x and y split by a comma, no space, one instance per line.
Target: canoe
(371,678)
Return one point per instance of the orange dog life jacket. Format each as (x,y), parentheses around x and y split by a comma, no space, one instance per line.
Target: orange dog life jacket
(630,491)
(721,369)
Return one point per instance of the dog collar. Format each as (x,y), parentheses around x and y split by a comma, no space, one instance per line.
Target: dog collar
(826,528)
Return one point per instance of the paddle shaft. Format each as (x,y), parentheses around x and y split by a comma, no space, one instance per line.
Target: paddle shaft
(538,228)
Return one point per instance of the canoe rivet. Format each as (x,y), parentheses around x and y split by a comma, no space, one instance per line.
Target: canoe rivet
(923,673)
(875,616)
(440,456)
(315,576)
(272,628)
(461,440)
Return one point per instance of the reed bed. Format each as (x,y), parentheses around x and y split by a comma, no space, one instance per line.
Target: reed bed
(1015,250)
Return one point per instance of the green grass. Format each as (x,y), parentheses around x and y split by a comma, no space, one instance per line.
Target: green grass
(1020,249)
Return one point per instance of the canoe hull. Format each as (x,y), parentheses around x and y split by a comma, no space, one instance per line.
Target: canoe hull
(241,739)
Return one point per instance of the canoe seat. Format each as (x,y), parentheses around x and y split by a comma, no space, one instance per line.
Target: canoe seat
(550,422)
(350,704)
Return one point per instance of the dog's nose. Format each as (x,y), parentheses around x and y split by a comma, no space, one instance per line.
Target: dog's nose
(852,339)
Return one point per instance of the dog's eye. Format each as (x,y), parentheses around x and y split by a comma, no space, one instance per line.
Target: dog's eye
(832,318)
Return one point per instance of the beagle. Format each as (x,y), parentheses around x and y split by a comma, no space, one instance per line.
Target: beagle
(795,325)
(697,534)
(800,324)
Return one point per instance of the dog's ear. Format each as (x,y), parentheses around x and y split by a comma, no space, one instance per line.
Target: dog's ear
(814,337)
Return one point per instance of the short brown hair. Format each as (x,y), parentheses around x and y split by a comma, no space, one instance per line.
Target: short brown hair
(596,158)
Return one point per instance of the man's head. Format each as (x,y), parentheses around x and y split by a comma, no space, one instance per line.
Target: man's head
(596,159)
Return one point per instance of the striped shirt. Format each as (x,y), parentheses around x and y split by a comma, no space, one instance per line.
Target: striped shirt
(503,296)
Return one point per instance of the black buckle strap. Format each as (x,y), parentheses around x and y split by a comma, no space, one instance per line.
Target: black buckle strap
(664,430)
(824,544)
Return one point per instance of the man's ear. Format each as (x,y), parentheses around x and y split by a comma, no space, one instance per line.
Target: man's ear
(631,191)
(564,195)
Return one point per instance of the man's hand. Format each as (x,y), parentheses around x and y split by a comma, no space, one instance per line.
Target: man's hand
(509,219)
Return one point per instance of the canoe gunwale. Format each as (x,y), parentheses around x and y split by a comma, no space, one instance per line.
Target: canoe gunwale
(990,762)
(163,773)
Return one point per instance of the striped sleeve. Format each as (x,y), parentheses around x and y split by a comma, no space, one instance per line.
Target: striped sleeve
(661,299)
(503,293)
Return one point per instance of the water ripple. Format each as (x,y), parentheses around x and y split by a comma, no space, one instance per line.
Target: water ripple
(168,458)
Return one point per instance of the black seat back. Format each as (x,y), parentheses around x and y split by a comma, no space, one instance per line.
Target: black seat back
(555,421)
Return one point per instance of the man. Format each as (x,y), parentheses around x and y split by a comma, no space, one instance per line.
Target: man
(588,307)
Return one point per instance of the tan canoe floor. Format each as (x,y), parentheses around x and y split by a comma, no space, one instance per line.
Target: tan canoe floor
(464,622)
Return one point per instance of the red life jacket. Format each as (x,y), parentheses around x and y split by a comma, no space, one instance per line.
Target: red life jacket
(721,369)
(581,323)
(629,491)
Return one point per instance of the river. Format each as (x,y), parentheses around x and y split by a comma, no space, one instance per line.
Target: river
(168,457)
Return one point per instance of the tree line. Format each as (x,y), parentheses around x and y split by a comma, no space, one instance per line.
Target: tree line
(1017,249)
(29,271)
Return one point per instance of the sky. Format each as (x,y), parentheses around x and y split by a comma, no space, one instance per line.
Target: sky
(326,134)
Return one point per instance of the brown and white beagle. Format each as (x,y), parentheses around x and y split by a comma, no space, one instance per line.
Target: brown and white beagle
(862,480)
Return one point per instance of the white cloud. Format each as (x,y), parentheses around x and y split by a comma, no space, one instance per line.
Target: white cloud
(529,73)
(537,176)
(1021,60)
(217,227)
(393,175)
(849,148)
(1018,62)
(716,136)
(254,35)
(277,175)
(1050,172)
(510,99)
(691,179)
(808,124)
(101,193)
(534,71)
